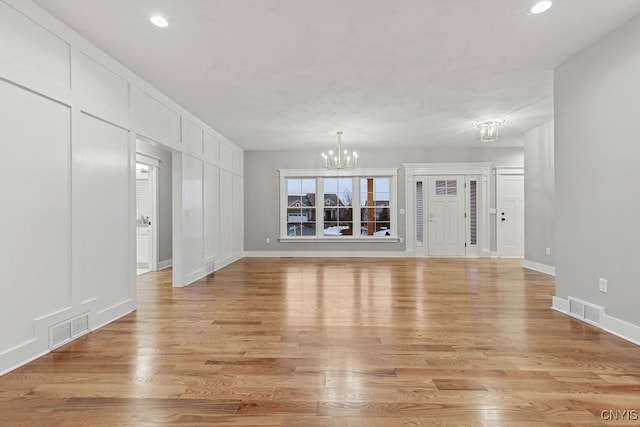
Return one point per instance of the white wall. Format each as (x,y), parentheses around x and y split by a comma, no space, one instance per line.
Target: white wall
(539,217)
(69,118)
(262,191)
(597,102)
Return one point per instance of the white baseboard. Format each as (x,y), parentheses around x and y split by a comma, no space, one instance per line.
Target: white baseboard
(325,254)
(20,355)
(37,347)
(110,314)
(218,264)
(542,268)
(228,260)
(165,264)
(560,304)
(620,328)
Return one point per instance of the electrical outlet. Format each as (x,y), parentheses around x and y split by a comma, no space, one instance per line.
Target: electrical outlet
(548,251)
(602,285)
(268,240)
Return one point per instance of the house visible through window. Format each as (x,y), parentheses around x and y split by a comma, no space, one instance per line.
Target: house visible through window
(301,213)
(375,216)
(338,207)
(323,206)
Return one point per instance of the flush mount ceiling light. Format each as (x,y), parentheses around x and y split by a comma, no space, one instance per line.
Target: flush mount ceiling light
(488,130)
(541,6)
(159,21)
(340,160)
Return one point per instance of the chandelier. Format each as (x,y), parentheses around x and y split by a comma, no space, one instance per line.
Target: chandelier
(488,130)
(341,159)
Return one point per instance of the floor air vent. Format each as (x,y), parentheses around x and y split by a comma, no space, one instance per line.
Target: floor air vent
(584,311)
(63,332)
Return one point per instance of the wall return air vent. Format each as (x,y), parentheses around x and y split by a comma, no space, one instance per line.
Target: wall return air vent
(67,330)
(584,311)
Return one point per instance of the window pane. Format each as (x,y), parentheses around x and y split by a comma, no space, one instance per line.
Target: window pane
(301,207)
(330,185)
(301,229)
(381,199)
(441,187)
(375,202)
(338,221)
(381,185)
(338,192)
(452,187)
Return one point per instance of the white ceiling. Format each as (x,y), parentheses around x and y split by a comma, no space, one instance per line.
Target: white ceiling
(287,74)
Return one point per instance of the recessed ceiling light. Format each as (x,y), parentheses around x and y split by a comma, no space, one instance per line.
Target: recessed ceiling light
(541,6)
(159,21)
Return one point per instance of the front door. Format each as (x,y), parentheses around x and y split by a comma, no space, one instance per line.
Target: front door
(446,215)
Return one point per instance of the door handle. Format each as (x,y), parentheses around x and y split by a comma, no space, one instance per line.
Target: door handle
(503,219)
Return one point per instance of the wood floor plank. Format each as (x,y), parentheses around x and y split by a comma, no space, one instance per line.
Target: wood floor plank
(335,342)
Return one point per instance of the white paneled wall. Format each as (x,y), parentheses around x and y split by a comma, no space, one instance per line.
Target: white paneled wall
(192,216)
(192,138)
(102,92)
(35,214)
(211,204)
(69,119)
(155,120)
(104,177)
(226,214)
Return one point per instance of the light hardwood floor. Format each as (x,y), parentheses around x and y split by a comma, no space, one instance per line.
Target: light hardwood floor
(336,342)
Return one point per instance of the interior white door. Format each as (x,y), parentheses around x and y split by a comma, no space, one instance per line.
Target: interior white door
(446,215)
(510,215)
(146,216)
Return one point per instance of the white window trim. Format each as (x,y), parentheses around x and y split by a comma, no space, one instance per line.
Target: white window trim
(320,174)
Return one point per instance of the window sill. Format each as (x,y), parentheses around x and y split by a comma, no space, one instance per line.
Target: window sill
(346,239)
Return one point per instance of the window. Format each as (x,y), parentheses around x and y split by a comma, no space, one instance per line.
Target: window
(321,206)
(301,201)
(338,207)
(375,216)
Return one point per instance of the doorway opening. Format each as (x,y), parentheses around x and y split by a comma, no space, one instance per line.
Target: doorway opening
(154,207)
(146,218)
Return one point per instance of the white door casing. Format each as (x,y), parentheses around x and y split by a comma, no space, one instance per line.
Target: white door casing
(510,215)
(476,227)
